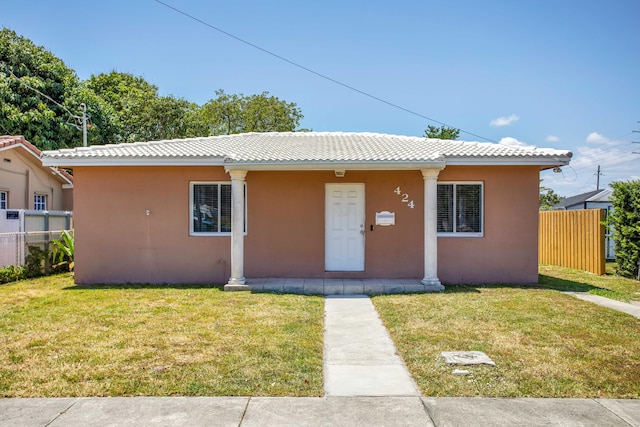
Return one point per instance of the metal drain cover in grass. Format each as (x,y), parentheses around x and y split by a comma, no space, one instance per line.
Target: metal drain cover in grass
(466,358)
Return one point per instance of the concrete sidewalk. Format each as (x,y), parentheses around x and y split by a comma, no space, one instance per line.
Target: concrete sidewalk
(624,307)
(316,411)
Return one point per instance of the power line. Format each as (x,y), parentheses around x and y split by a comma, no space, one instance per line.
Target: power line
(609,141)
(606,161)
(82,119)
(41,94)
(318,74)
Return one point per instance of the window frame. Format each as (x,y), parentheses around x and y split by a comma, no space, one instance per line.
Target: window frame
(194,233)
(455,233)
(36,203)
(4,201)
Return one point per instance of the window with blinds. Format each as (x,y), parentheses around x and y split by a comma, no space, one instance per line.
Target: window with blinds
(211,208)
(460,208)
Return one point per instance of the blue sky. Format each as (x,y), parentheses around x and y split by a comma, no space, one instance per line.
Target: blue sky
(561,74)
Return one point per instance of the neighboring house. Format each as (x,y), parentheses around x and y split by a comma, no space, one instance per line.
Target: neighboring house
(597,199)
(26,184)
(315,205)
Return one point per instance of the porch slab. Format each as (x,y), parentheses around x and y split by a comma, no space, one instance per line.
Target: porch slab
(338,286)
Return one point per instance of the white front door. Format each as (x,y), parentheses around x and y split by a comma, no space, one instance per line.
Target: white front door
(344,227)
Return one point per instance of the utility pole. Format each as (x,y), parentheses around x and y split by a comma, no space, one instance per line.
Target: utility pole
(598,174)
(84,125)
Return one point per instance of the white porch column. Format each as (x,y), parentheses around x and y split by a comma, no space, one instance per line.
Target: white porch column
(237,280)
(431,280)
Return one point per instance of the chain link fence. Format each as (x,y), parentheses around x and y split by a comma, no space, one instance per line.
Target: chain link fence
(32,244)
(32,249)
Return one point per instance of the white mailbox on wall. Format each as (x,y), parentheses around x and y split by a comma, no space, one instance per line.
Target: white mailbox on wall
(385,218)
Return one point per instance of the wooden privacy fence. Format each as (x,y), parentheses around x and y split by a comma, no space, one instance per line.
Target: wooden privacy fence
(573,239)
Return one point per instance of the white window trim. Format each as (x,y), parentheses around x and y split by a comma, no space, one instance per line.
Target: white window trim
(46,201)
(461,233)
(209,234)
(6,199)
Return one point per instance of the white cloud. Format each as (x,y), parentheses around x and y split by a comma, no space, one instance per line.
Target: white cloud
(513,142)
(552,138)
(616,164)
(504,121)
(596,138)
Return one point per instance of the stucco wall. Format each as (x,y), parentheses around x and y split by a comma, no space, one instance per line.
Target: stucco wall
(508,252)
(21,177)
(286,224)
(117,242)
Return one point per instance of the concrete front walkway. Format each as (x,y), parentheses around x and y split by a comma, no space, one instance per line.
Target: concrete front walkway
(631,309)
(359,357)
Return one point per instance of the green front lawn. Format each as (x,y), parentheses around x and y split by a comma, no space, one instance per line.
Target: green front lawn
(57,339)
(545,343)
(608,285)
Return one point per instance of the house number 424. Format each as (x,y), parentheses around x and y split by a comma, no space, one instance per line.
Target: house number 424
(405,197)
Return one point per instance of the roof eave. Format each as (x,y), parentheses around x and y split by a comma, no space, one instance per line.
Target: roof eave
(605,192)
(132,161)
(34,153)
(325,166)
(543,162)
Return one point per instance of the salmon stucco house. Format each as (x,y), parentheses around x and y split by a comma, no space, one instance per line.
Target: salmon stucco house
(254,209)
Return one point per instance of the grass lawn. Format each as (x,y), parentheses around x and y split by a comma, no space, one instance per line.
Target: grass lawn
(608,285)
(544,343)
(57,339)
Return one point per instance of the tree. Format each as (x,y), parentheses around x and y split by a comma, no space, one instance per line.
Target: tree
(442,132)
(625,219)
(140,113)
(40,97)
(548,198)
(231,113)
(26,70)
(102,125)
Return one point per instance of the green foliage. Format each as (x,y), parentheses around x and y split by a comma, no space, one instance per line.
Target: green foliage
(548,198)
(23,111)
(140,114)
(25,70)
(35,264)
(39,261)
(625,218)
(232,113)
(442,132)
(64,250)
(12,273)
(40,95)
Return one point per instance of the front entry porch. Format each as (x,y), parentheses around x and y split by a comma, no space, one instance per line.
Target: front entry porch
(337,286)
(344,211)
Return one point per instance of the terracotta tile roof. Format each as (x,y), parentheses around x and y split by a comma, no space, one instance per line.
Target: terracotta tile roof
(15,141)
(307,148)
(8,140)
